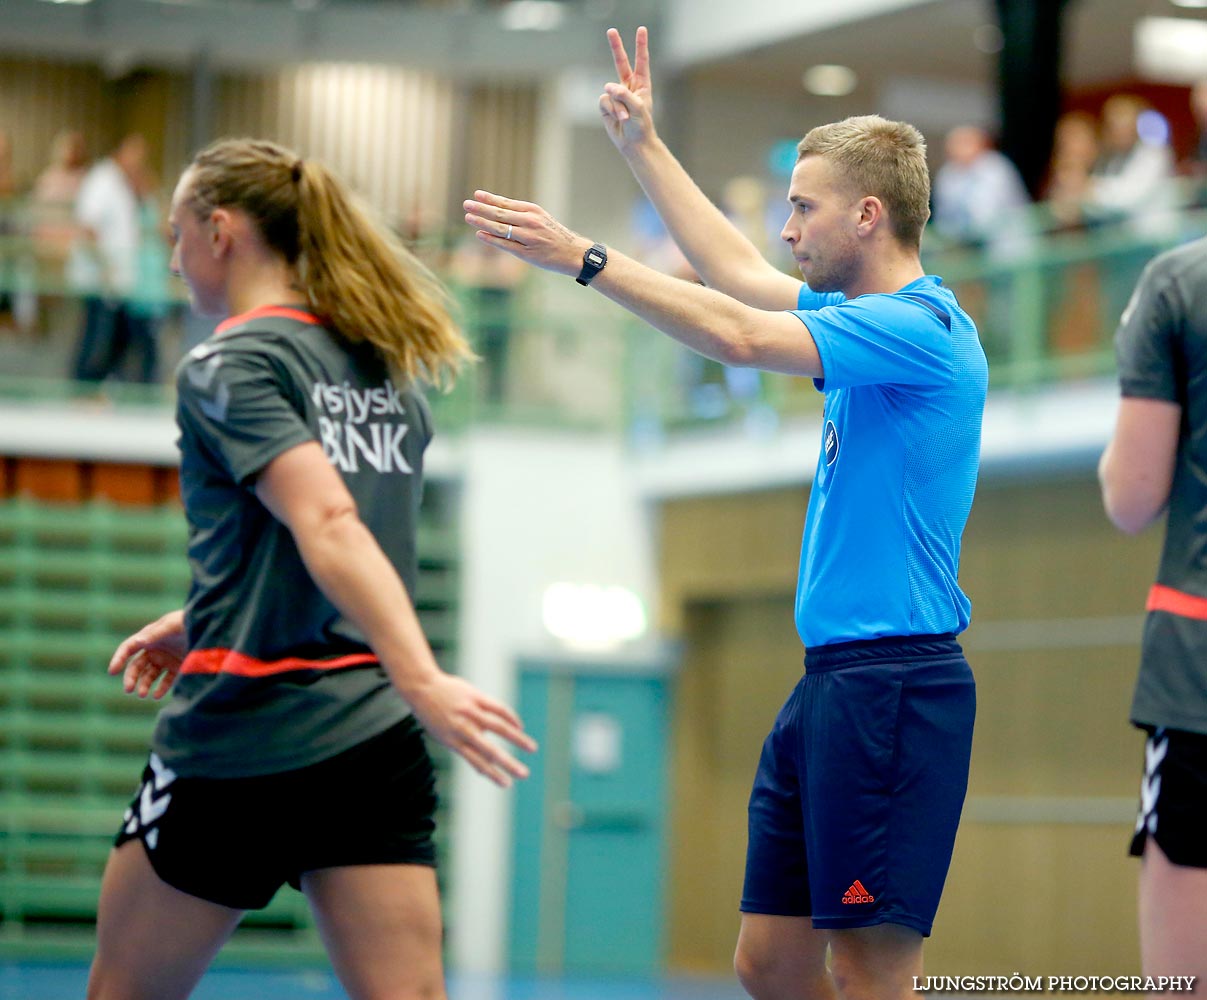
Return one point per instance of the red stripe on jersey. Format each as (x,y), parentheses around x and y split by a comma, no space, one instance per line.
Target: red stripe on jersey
(284,312)
(1176,602)
(227,661)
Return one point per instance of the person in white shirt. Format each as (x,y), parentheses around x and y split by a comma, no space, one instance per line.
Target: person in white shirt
(1133,180)
(103,267)
(982,204)
(979,196)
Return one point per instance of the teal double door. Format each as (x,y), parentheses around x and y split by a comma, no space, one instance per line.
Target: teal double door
(589,837)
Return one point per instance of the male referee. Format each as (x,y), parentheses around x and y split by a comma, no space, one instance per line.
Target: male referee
(859,789)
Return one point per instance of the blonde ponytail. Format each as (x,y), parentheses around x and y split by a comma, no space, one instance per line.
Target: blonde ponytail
(359,278)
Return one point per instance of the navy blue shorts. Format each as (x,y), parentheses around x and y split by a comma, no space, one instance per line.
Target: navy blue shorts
(859,789)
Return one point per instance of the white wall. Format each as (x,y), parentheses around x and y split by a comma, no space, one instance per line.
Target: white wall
(538,507)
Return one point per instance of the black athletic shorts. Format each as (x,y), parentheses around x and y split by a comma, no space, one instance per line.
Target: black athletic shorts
(236,841)
(1173,797)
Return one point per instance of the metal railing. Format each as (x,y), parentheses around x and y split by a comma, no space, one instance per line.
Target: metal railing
(551,357)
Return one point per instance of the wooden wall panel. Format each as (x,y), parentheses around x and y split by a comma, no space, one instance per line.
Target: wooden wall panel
(501,139)
(38,98)
(741,660)
(385,130)
(1039,900)
(719,546)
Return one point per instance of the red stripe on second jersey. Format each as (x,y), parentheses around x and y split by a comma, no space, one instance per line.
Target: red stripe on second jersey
(227,661)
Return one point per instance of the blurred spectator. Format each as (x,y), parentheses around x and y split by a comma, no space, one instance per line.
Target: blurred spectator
(1132,183)
(744,202)
(60,181)
(981,203)
(1074,155)
(489,281)
(104,266)
(1133,180)
(52,217)
(980,199)
(1195,166)
(16,302)
(1071,290)
(1198,108)
(53,210)
(654,245)
(7,191)
(150,294)
(8,179)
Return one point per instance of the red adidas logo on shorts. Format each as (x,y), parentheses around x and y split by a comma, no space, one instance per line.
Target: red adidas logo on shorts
(857,894)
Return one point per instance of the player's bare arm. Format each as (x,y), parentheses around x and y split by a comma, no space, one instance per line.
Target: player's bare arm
(302,490)
(1136,470)
(707,321)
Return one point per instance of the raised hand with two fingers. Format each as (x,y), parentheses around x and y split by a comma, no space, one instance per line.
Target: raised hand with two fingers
(627,106)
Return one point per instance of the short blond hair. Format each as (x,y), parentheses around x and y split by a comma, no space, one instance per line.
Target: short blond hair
(882,158)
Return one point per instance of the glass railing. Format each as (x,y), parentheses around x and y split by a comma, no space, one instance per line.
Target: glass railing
(1051,314)
(553,356)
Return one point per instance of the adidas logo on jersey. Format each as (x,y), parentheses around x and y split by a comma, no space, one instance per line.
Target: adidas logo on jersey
(857,894)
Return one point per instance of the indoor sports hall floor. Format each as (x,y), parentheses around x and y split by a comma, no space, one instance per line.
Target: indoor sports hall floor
(66,981)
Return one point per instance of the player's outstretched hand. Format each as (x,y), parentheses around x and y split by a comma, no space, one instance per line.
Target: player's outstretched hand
(153,653)
(526,231)
(461,717)
(627,106)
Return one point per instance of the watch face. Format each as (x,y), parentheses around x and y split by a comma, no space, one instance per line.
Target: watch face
(594,257)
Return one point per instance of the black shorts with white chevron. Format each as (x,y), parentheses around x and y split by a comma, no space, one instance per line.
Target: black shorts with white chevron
(1173,797)
(236,841)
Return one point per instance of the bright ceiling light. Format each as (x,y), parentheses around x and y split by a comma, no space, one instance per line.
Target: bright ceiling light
(533,15)
(587,616)
(1170,49)
(827,80)
(1189,3)
(74,2)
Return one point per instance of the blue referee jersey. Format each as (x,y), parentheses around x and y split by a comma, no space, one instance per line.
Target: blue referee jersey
(905,383)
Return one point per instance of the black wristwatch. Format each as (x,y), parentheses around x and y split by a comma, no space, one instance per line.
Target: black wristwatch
(594,261)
